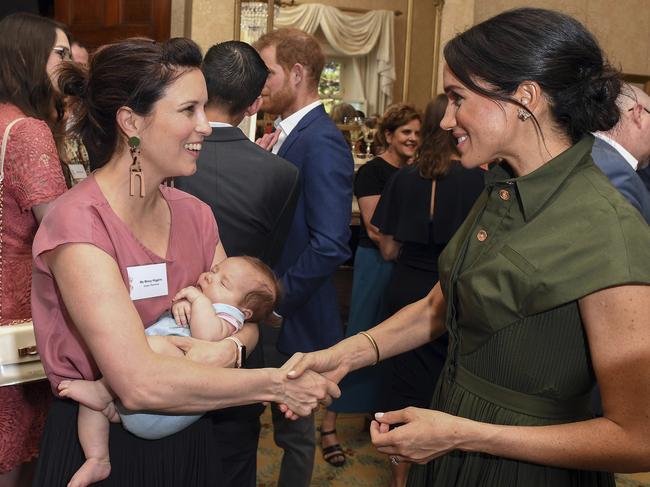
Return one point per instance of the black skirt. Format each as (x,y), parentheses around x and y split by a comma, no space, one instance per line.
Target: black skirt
(188,458)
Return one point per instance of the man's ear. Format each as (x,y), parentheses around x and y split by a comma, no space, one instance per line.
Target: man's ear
(128,121)
(637,115)
(297,74)
(254,107)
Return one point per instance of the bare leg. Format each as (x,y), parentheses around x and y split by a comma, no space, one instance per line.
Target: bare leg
(94,395)
(399,474)
(93,435)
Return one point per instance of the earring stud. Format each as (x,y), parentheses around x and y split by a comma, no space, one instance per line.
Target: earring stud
(523,115)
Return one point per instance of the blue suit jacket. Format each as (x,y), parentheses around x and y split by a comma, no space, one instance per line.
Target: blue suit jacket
(318,241)
(622,176)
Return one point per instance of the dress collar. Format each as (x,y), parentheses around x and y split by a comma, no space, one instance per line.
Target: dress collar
(536,188)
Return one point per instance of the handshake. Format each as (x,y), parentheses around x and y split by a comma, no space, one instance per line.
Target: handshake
(307,381)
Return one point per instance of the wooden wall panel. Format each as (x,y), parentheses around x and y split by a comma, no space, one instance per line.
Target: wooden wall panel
(97,22)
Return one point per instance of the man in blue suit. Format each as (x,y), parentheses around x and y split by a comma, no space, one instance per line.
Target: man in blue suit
(626,148)
(318,238)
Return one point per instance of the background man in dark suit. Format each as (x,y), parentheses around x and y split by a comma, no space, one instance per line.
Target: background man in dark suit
(320,232)
(626,148)
(253,195)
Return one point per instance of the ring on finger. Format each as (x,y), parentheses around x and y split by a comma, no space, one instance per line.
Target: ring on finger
(394,459)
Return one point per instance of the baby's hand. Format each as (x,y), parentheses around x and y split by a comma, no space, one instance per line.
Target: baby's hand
(182,310)
(190,293)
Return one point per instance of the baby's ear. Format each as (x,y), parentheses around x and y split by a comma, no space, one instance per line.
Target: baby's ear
(248,313)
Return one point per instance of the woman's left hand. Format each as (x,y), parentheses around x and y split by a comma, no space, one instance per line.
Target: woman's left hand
(421,434)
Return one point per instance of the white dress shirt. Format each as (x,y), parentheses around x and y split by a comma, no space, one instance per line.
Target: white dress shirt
(286,126)
(215,125)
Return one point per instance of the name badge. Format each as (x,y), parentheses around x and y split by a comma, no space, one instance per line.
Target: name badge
(147,281)
(78,171)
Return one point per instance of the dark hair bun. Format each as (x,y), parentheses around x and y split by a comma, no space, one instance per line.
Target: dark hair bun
(550,48)
(589,105)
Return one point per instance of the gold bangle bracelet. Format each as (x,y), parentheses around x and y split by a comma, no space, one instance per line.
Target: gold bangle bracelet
(374,345)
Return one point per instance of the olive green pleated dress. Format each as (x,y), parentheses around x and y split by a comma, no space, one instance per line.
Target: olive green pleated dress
(512,276)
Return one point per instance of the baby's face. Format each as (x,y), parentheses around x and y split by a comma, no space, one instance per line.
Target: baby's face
(228,282)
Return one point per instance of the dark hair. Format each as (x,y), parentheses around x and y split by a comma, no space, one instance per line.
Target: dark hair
(547,47)
(131,73)
(295,46)
(437,148)
(235,75)
(26,41)
(394,117)
(263,300)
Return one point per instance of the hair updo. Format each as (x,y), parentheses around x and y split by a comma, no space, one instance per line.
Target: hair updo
(132,73)
(547,47)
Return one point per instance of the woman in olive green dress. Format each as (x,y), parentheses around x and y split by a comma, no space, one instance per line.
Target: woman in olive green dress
(544,289)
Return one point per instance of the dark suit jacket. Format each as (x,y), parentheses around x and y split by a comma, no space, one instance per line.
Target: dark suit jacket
(622,176)
(319,236)
(253,195)
(644,174)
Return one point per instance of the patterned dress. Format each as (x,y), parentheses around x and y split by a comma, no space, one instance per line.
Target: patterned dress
(32,176)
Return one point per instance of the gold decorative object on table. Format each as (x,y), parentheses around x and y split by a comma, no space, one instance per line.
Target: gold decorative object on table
(369,130)
(353,126)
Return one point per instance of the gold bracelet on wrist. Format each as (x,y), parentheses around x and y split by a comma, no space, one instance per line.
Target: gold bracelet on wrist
(373,343)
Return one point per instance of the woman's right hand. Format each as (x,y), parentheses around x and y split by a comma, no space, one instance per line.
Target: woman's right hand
(327,362)
(301,395)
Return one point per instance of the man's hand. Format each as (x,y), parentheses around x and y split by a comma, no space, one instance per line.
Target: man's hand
(267,141)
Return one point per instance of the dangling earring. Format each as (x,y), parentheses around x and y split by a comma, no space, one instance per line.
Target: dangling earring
(523,115)
(136,169)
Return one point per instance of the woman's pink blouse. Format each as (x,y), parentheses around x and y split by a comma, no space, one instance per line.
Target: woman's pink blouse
(82,215)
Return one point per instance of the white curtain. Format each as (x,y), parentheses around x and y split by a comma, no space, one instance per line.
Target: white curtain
(366,38)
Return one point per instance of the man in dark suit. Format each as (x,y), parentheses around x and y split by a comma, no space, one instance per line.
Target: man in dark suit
(626,148)
(319,235)
(253,195)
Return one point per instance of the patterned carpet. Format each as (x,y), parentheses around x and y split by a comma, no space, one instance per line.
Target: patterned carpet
(365,467)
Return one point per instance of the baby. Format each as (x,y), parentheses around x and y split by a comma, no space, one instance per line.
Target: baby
(236,290)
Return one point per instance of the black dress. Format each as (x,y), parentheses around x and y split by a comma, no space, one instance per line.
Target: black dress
(404,212)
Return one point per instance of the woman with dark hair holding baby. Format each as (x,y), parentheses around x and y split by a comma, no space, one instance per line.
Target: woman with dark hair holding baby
(110,255)
(544,289)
